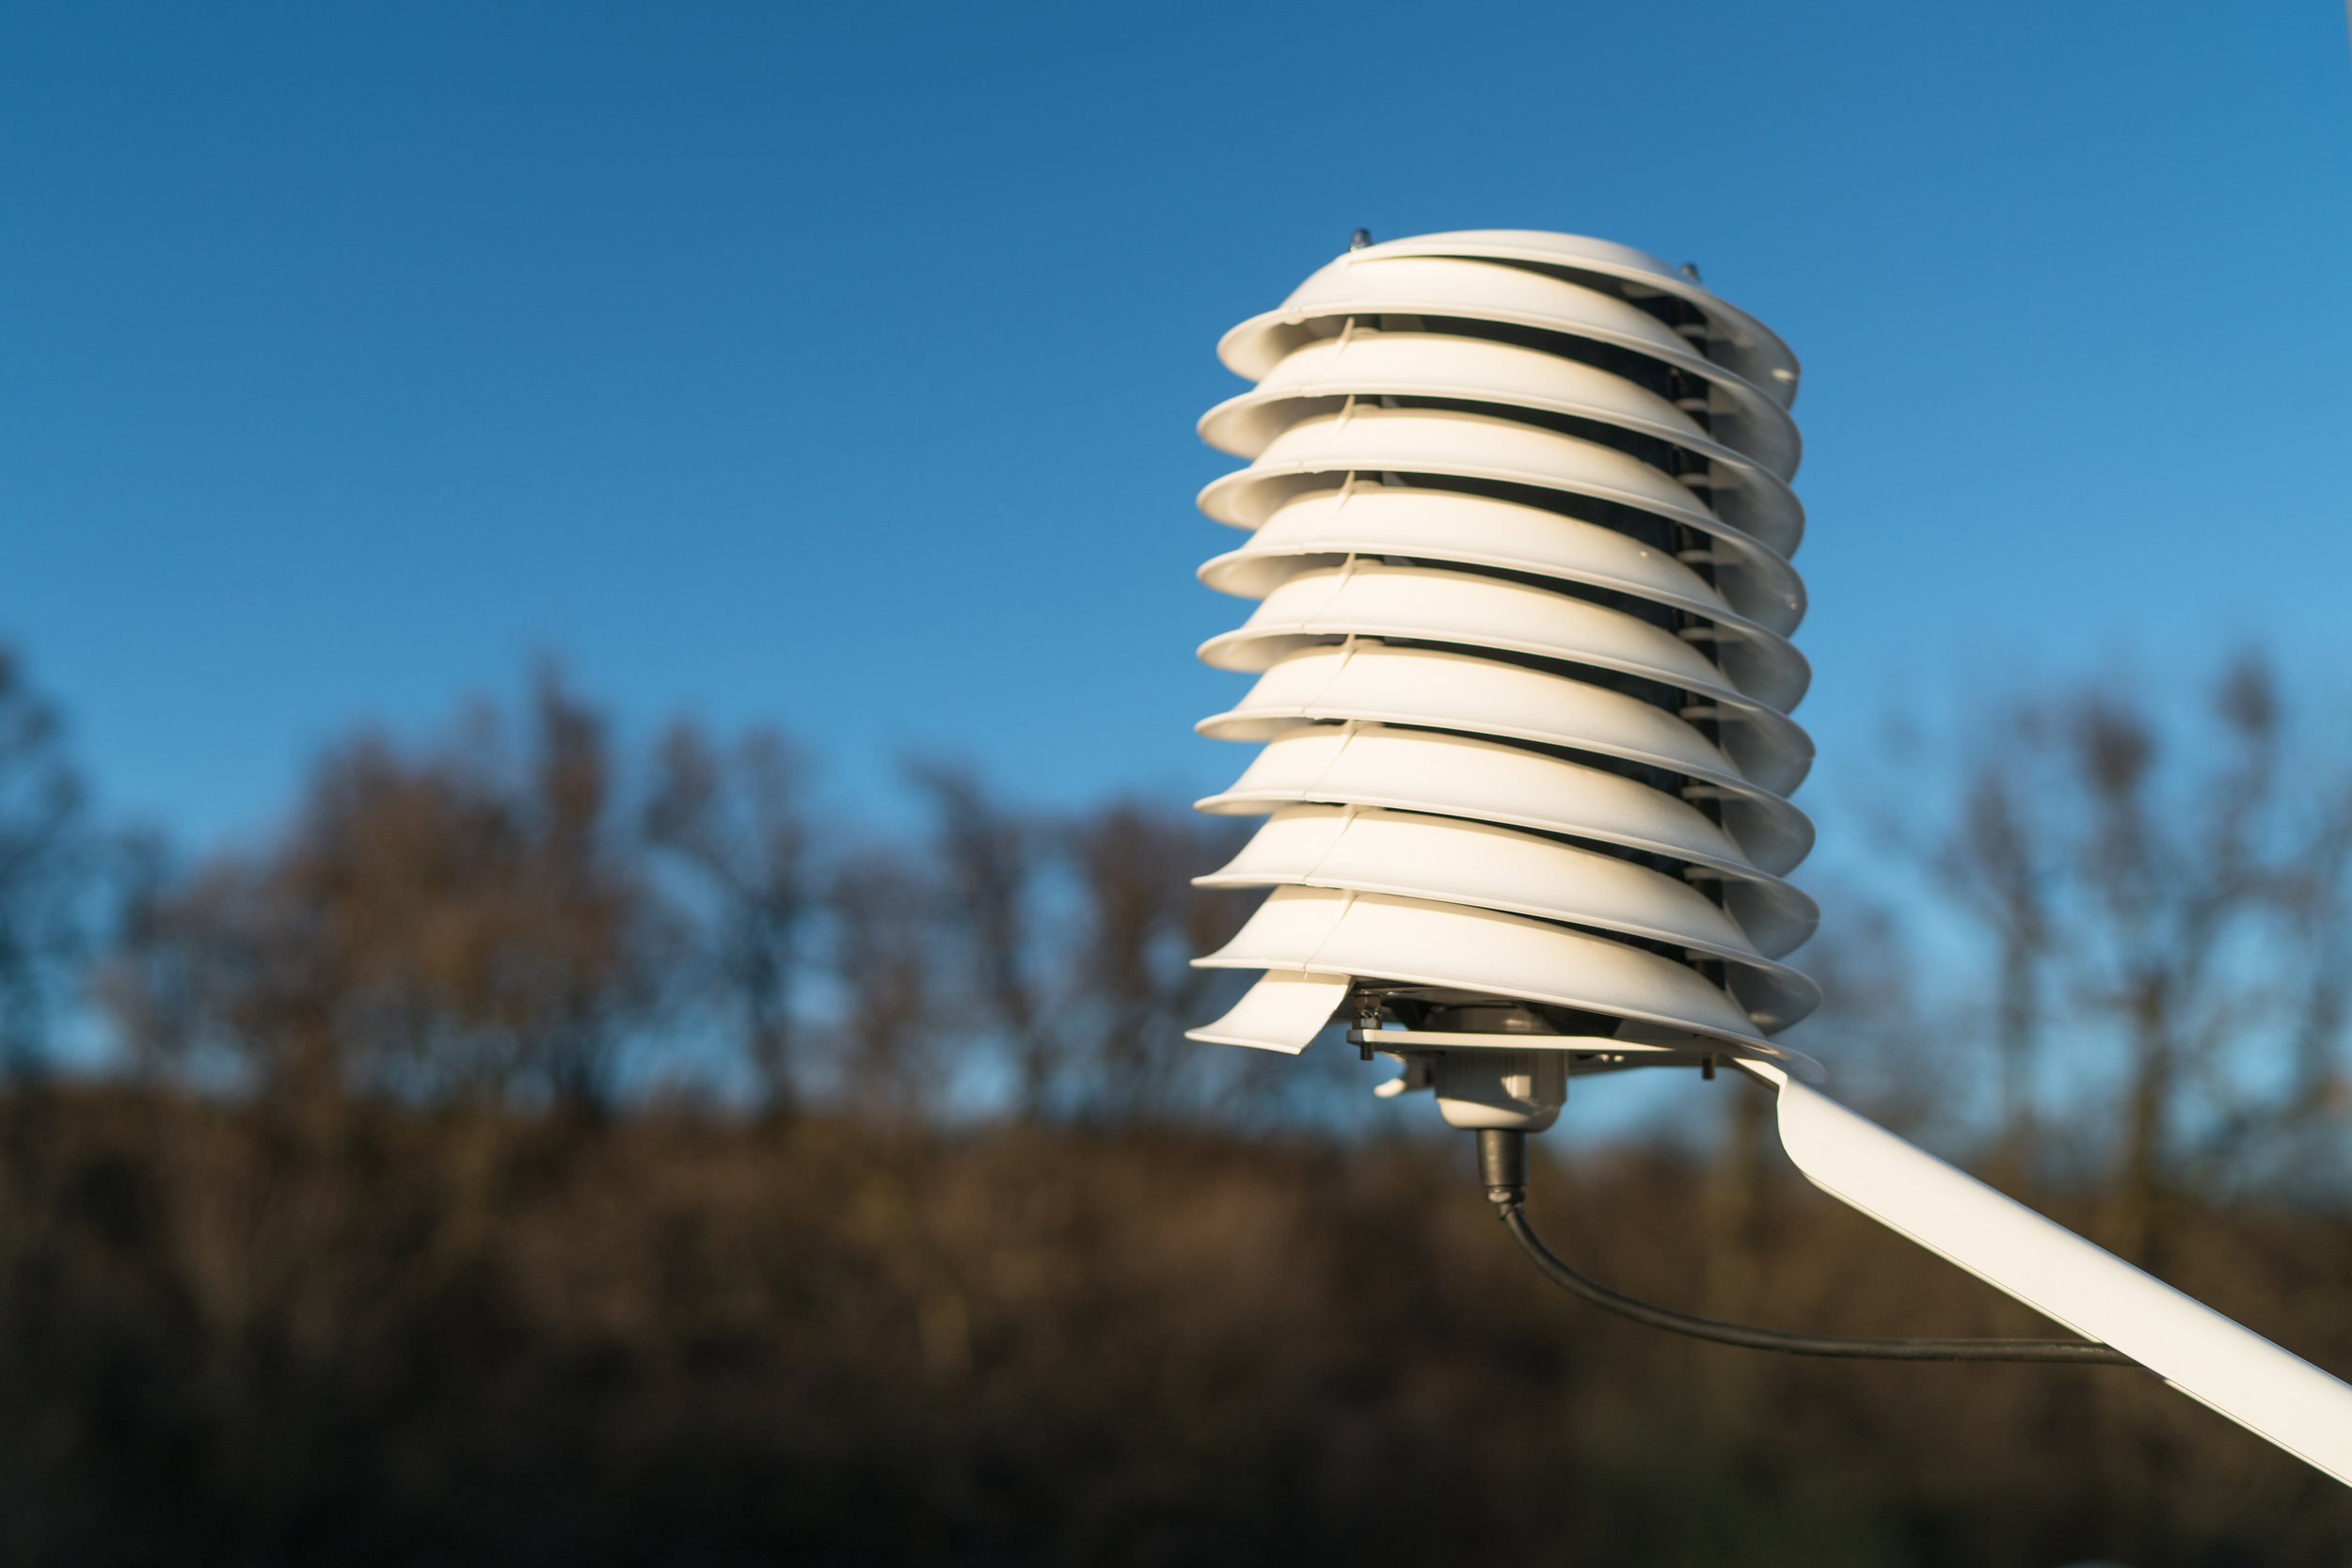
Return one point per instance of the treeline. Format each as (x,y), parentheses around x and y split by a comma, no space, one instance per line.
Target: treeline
(525,911)
(467,1338)
(547,1145)
(2129,971)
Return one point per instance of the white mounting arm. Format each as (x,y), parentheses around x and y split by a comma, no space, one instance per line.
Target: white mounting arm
(2230,1369)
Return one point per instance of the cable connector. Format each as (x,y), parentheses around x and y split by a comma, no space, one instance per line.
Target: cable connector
(1502,1165)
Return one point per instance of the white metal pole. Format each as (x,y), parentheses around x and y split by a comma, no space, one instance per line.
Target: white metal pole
(2268,1390)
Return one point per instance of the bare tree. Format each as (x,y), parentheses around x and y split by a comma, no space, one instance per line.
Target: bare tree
(439,923)
(1994,861)
(886,963)
(2175,888)
(993,862)
(1137,925)
(2303,1142)
(47,863)
(736,816)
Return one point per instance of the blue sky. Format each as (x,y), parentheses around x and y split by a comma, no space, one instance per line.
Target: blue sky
(837,365)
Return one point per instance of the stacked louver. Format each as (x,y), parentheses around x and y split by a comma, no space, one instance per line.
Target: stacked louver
(1519,530)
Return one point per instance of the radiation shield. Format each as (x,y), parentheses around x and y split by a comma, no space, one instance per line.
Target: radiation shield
(1354,851)
(1522,687)
(1390,285)
(1455,776)
(1323,527)
(1461,444)
(1365,596)
(1323,377)
(1757,754)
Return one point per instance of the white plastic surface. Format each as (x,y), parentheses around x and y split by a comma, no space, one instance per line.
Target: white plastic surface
(1507,380)
(1368,362)
(2265,1390)
(1756,751)
(1404,292)
(1457,444)
(1361,851)
(1314,527)
(1284,1011)
(1522,523)
(1448,775)
(1421,942)
(1735,337)
(1361,596)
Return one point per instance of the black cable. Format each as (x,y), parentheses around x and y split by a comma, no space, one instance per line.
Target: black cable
(1502,1157)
